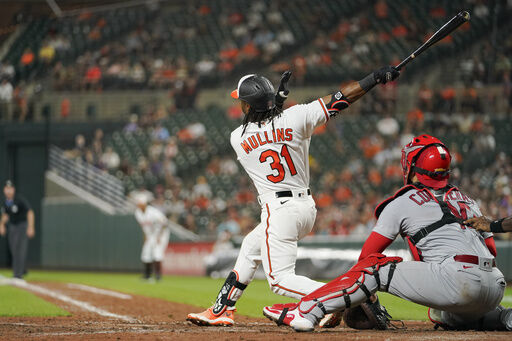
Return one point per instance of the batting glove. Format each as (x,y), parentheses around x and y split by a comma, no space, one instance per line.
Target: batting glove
(282,92)
(386,74)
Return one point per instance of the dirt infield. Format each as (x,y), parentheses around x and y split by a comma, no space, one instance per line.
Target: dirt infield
(155,319)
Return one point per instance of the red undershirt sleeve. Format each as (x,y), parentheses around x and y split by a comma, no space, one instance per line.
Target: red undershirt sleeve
(491,245)
(376,243)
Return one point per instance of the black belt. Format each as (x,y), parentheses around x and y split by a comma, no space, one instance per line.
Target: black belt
(288,194)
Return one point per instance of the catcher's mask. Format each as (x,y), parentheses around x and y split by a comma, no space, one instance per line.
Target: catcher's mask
(429,158)
(256,90)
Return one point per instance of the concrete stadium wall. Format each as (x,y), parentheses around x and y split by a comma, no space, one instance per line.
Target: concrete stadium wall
(79,236)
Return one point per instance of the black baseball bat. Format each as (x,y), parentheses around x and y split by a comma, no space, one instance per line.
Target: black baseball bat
(445,30)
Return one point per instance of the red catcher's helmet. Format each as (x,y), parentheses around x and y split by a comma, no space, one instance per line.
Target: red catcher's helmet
(429,158)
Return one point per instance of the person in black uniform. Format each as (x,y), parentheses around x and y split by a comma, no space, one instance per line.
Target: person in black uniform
(19,218)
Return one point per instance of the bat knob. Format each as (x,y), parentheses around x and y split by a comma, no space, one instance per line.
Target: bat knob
(465,15)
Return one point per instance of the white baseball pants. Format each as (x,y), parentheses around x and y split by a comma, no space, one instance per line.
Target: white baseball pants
(273,243)
(155,245)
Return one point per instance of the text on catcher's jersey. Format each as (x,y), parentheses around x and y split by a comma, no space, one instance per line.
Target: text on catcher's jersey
(416,209)
(277,157)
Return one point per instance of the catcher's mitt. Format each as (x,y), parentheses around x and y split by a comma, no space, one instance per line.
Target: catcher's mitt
(368,315)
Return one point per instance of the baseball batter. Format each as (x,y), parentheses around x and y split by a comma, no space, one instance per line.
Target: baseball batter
(273,147)
(454,272)
(154,225)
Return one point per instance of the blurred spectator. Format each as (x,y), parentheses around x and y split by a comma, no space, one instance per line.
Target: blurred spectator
(388,126)
(132,125)
(27,57)
(415,120)
(110,159)
(205,66)
(202,188)
(228,166)
(21,99)
(447,100)
(192,133)
(78,152)
(92,80)
(47,53)
(470,101)
(6,96)
(381,9)
(185,94)
(171,148)
(65,108)
(160,132)
(425,98)
(7,71)
(230,224)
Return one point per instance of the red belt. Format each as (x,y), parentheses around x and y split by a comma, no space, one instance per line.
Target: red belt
(470,259)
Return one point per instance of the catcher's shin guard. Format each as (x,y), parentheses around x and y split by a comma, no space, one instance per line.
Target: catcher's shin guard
(349,290)
(228,294)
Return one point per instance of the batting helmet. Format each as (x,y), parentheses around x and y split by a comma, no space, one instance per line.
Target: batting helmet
(256,90)
(430,160)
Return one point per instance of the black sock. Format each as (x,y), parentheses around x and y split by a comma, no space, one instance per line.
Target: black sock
(158,269)
(147,270)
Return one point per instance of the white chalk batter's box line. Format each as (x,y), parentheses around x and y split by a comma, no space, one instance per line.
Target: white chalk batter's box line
(20,283)
(99,291)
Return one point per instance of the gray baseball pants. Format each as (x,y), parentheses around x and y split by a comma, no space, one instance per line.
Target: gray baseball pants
(18,243)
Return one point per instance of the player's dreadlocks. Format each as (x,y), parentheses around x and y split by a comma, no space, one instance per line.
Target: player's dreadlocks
(260,117)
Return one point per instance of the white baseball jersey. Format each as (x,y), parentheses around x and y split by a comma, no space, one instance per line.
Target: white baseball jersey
(278,159)
(151,220)
(416,209)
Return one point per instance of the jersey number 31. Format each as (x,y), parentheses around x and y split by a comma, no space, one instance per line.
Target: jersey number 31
(276,164)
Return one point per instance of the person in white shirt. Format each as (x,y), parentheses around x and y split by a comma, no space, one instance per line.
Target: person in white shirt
(272,145)
(6,95)
(154,225)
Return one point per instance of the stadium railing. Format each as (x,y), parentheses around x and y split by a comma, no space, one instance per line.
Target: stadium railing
(92,184)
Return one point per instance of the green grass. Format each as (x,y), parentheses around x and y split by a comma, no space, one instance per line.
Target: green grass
(201,291)
(18,302)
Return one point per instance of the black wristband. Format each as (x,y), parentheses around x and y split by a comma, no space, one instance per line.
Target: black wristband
(368,82)
(497,226)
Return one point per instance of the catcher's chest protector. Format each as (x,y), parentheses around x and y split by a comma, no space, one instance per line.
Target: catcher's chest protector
(447,218)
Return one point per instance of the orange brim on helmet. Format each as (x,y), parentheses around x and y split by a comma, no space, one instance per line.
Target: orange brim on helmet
(234,93)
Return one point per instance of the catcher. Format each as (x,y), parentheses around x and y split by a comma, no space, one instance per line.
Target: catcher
(454,272)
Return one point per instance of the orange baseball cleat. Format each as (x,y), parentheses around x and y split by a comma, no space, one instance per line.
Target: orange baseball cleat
(208,318)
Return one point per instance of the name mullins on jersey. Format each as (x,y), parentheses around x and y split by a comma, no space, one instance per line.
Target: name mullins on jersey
(258,139)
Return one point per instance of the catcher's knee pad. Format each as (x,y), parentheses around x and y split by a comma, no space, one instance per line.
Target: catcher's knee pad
(230,292)
(352,288)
